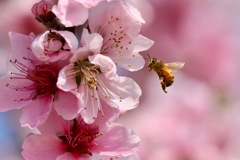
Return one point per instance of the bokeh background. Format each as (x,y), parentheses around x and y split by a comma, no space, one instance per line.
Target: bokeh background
(199,117)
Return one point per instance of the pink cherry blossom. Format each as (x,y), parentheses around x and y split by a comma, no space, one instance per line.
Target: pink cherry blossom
(119,23)
(73,12)
(76,140)
(93,77)
(32,84)
(54,45)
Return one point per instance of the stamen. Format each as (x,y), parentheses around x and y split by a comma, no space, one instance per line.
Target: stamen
(80,137)
(43,76)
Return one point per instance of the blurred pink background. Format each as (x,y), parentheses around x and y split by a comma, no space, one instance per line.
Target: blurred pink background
(198,119)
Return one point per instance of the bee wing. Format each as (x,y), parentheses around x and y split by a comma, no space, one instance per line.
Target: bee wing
(175,65)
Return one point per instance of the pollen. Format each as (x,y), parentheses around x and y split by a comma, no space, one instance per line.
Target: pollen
(120,99)
(117,40)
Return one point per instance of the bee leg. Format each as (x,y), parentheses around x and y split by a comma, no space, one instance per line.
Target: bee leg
(163,86)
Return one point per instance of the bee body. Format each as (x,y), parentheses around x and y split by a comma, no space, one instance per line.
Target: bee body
(164,71)
(168,77)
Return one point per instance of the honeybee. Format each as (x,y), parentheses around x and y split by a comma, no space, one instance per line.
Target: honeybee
(164,71)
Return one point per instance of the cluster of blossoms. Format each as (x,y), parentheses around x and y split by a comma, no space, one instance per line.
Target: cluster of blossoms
(66,80)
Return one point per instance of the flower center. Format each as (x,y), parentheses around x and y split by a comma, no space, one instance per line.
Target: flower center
(80,138)
(43,76)
(86,73)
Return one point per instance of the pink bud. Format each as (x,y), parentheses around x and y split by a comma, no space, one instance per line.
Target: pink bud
(41,8)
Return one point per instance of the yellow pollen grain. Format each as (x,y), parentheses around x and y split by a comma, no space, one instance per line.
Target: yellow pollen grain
(129,65)
(133,55)
(116,63)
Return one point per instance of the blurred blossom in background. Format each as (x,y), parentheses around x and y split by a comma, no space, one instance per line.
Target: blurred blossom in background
(198,119)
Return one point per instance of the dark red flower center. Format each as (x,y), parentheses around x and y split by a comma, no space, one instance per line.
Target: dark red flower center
(80,138)
(43,76)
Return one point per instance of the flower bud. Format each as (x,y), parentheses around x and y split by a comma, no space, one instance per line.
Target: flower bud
(41,8)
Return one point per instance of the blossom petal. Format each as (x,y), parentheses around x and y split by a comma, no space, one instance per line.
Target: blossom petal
(110,114)
(131,62)
(142,43)
(126,92)
(89,3)
(70,13)
(70,156)
(38,48)
(36,112)
(11,98)
(91,44)
(106,64)
(70,38)
(132,10)
(20,45)
(54,124)
(92,41)
(66,105)
(90,105)
(118,140)
(39,147)
(103,157)
(65,82)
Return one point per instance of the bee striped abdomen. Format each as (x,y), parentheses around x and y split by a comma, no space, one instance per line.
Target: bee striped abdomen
(168,77)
